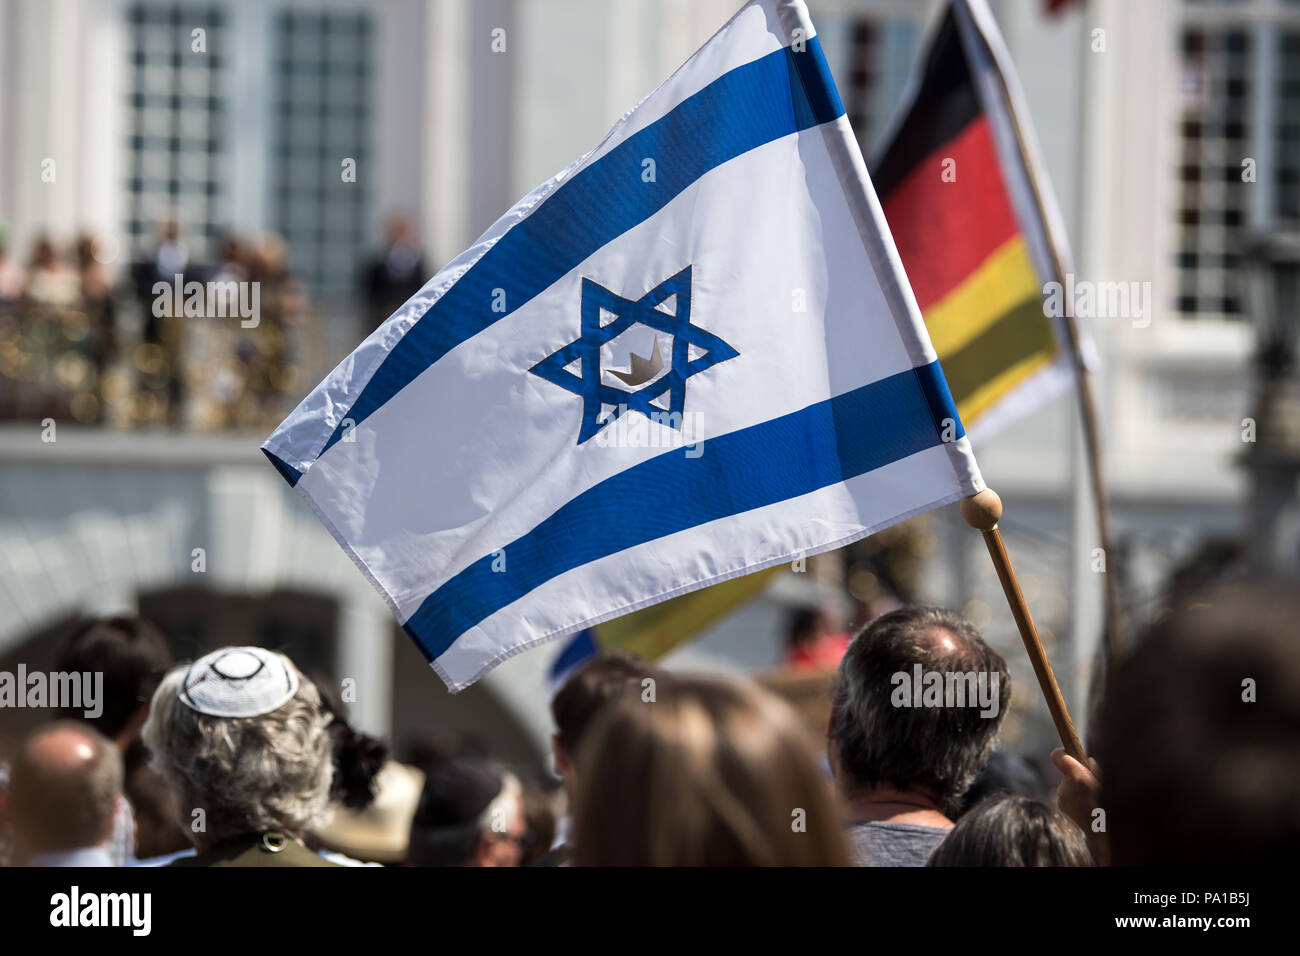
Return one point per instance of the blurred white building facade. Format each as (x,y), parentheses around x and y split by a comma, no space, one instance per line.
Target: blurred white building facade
(452,109)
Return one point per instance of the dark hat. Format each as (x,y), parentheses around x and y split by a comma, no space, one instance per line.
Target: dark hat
(456,793)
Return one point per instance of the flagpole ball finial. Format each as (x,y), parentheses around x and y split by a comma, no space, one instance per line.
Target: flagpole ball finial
(982,510)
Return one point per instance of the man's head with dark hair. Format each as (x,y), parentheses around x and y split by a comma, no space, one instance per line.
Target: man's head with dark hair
(879,739)
(587,690)
(358,756)
(1004,773)
(1200,733)
(133,655)
(470,813)
(64,784)
(1009,830)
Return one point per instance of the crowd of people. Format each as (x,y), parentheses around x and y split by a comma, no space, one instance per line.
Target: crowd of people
(239,759)
(87,338)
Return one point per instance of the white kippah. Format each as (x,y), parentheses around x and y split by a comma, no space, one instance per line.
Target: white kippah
(238,682)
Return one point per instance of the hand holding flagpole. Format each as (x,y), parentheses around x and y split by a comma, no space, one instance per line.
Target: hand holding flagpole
(982,511)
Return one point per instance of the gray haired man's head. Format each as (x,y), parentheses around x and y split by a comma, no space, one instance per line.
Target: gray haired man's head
(886,731)
(242,737)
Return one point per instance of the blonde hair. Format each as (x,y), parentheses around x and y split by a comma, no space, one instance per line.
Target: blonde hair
(713,773)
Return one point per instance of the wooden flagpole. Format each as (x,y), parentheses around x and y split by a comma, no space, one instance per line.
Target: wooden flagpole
(982,511)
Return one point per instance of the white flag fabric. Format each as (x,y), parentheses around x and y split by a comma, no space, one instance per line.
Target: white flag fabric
(691,355)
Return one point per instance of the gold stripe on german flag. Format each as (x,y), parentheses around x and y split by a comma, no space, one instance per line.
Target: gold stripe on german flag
(944,194)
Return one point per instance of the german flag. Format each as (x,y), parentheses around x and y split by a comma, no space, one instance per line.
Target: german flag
(967,221)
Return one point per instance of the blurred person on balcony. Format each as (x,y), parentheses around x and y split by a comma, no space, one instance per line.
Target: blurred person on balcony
(395,273)
(51,285)
(902,764)
(270,349)
(160,365)
(12,280)
(98,303)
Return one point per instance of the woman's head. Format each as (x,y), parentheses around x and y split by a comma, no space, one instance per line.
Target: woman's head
(1007,830)
(241,736)
(711,773)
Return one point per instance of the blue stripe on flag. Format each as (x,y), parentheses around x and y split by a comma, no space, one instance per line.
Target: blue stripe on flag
(754,104)
(820,445)
(287,471)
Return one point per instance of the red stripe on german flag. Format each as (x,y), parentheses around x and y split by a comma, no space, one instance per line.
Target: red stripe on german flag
(944,226)
(945,196)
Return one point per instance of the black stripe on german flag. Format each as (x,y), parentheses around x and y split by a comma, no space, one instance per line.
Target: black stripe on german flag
(944,193)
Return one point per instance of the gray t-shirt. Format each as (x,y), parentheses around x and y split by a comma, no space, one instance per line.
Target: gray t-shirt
(893,844)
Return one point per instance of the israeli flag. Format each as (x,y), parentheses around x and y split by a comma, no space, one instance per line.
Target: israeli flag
(691,355)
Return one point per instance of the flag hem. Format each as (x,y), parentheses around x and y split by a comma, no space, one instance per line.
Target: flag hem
(456,687)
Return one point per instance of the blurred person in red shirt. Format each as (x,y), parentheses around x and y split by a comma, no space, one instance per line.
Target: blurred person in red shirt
(813,642)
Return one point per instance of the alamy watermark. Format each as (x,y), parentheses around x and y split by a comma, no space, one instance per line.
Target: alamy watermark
(679,430)
(214,300)
(922,688)
(1098,300)
(63,690)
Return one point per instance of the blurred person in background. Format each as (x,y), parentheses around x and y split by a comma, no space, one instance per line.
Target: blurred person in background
(1200,737)
(268,350)
(471,813)
(214,369)
(1006,830)
(377,834)
(132,655)
(903,769)
(98,341)
(712,773)
(540,819)
(243,740)
(574,708)
(65,786)
(51,285)
(164,372)
(360,760)
(1004,773)
(813,641)
(12,280)
(358,757)
(395,273)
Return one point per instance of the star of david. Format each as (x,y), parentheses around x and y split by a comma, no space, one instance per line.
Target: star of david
(605,316)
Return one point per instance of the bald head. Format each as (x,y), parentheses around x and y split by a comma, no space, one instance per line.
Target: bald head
(63,788)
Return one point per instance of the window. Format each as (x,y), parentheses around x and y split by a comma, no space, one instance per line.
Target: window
(1239,112)
(881,56)
(175,112)
(322,117)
